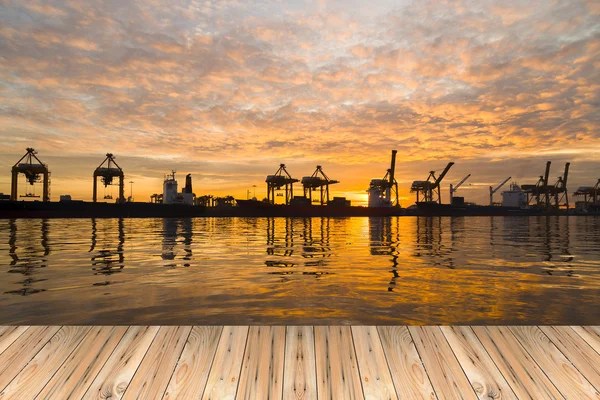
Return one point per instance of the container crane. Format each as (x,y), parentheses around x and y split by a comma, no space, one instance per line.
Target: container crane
(108,170)
(540,192)
(428,188)
(318,180)
(384,192)
(280,179)
(591,197)
(492,191)
(559,191)
(31,166)
(453,189)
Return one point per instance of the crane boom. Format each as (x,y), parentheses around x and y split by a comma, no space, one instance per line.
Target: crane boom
(463,181)
(500,185)
(442,175)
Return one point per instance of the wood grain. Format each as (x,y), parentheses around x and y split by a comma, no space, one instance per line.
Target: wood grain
(300,379)
(34,376)
(8,334)
(154,373)
(569,381)
(524,376)
(190,376)
(485,378)
(441,365)
(22,350)
(262,371)
(79,370)
(337,370)
(225,372)
(591,334)
(374,372)
(410,379)
(583,357)
(122,364)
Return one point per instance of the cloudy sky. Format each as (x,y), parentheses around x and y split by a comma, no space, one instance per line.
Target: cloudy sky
(227,90)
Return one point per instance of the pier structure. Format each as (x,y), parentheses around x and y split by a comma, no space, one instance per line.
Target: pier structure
(428,191)
(317,181)
(33,169)
(281,179)
(108,170)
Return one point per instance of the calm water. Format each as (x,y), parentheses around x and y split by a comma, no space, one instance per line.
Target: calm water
(492,270)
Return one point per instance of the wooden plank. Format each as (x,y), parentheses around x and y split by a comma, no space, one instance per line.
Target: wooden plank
(441,365)
(337,370)
(30,381)
(262,370)
(300,376)
(190,376)
(569,381)
(485,378)
(77,373)
(410,379)
(374,372)
(117,372)
(22,350)
(8,334)
(576,350)
(154,373)
(225,372)
(522,373)
(591,334)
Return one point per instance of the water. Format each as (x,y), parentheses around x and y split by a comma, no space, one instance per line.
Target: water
(406,270)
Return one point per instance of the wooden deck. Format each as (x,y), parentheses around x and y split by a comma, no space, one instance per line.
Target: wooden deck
(299,362)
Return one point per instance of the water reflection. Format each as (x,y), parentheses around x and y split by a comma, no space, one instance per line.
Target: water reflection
(301,270)
(109,259)
(28,256)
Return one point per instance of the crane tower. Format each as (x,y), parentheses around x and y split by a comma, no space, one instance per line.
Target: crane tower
(384,192)
(108,170)
(318,180)
(280,179)
(30,166)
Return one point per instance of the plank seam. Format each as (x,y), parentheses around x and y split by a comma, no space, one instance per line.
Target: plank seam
(357,364)
(284,353)
(458,361)
(32,357)
(65,360)
(237,386)
(588,343)
(11,343)
(212,361)
(387,362)
(423,364)
(315,353)
(92,379)
(141,361)
(177,363)
(567,358)
(536,361)
(493,361)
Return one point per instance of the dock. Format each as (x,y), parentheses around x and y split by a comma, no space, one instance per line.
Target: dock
(300,362)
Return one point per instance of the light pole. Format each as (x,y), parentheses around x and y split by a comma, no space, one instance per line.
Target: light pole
(131,191)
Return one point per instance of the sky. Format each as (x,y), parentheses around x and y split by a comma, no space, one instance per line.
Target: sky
(228,90)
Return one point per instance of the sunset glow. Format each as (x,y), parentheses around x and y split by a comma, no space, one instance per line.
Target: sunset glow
(228,90)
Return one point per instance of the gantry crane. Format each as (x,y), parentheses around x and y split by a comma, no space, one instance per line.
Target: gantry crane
(492,190)
(280,179)
(384,192)
(559,191)
(318,180)
(31,166)
(591,195)
(540,192)
(546,195)
(108,172)
(428,188)
(453,189)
